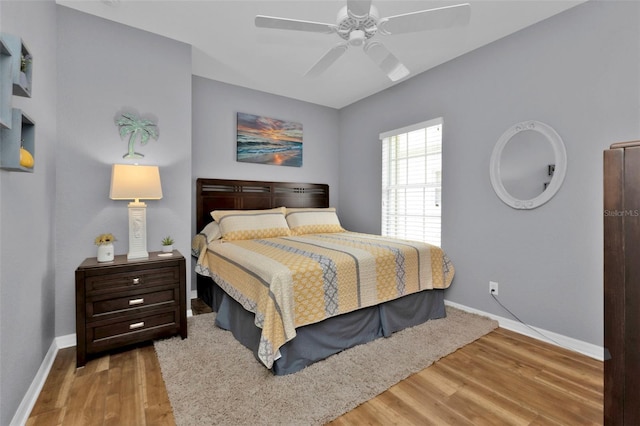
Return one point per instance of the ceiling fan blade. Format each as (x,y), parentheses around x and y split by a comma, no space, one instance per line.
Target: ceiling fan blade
(379,54)
(327,60)
(358,9)
(432,19)
(262,21)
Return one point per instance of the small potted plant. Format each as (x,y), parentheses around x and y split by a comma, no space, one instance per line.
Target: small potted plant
(105,247)
(25,62)
(167,244)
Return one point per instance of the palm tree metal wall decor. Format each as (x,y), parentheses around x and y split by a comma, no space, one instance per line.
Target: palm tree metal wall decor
(136,128)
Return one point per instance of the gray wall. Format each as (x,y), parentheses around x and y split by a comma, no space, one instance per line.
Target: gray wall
(215,106)
(104,69)
(27,240)
(579,73)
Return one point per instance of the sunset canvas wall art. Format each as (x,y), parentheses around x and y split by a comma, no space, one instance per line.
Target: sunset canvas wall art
(267,140)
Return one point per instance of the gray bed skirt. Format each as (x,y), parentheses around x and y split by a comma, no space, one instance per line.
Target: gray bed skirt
(318,341)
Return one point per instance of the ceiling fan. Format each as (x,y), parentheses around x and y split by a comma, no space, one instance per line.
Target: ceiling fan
(358,22)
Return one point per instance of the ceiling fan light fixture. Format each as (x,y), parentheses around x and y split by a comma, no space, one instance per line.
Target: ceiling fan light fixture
(346,23)
(357,37)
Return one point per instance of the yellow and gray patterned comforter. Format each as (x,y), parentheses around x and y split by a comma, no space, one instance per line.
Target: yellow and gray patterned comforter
(289,282)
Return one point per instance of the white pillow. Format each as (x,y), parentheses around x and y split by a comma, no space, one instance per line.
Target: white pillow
(251,224)
(212,231)
(313,221)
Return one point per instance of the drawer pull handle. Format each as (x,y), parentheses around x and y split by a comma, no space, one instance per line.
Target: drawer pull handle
(133,302)
(136,280)
(136,325)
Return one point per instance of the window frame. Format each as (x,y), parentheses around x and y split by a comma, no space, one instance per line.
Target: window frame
(389,171)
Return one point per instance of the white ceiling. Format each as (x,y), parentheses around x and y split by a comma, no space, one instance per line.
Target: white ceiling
(228,47)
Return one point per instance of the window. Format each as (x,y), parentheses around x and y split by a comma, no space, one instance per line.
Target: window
(412,182)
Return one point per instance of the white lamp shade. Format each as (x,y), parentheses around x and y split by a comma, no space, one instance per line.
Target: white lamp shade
(135,182)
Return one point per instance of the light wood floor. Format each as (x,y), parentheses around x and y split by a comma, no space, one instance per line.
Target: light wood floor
(502,378)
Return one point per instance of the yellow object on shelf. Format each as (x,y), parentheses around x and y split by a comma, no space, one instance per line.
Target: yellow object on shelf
(26,159)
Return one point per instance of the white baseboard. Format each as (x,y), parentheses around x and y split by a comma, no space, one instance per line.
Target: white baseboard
(588,349)
(29,400)
(192,295)
(66,341)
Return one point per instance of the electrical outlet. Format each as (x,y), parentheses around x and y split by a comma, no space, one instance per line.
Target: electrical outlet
(493,288)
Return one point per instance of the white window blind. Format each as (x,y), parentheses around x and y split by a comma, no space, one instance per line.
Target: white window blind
(412,182)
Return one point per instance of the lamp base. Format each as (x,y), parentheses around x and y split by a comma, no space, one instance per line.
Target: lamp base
(138,255)
(137,231)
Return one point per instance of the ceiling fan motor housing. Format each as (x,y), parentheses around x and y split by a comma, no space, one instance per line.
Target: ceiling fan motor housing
(348,24)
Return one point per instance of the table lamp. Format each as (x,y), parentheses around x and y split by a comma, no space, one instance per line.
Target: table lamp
(135,182)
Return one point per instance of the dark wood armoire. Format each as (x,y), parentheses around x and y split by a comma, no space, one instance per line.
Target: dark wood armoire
(622,284)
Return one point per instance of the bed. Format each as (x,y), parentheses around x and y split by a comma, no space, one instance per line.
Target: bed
(295,287)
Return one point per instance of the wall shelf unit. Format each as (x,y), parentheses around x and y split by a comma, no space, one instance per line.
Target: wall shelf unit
(17,130)
(5,85)
(22,74)
(21,134)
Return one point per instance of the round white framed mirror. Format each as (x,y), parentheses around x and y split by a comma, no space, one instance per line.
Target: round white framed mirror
(528,165)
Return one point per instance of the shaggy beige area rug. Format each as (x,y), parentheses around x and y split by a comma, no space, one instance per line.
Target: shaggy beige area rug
(212,379)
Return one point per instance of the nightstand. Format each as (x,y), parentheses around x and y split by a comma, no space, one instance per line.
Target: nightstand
(123,302)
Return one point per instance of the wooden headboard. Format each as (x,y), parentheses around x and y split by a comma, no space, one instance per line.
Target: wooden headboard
(225,194)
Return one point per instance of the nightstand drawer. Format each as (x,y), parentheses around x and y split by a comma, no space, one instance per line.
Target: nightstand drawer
(128,279)
(133,325)
(137,328)
(133,300)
